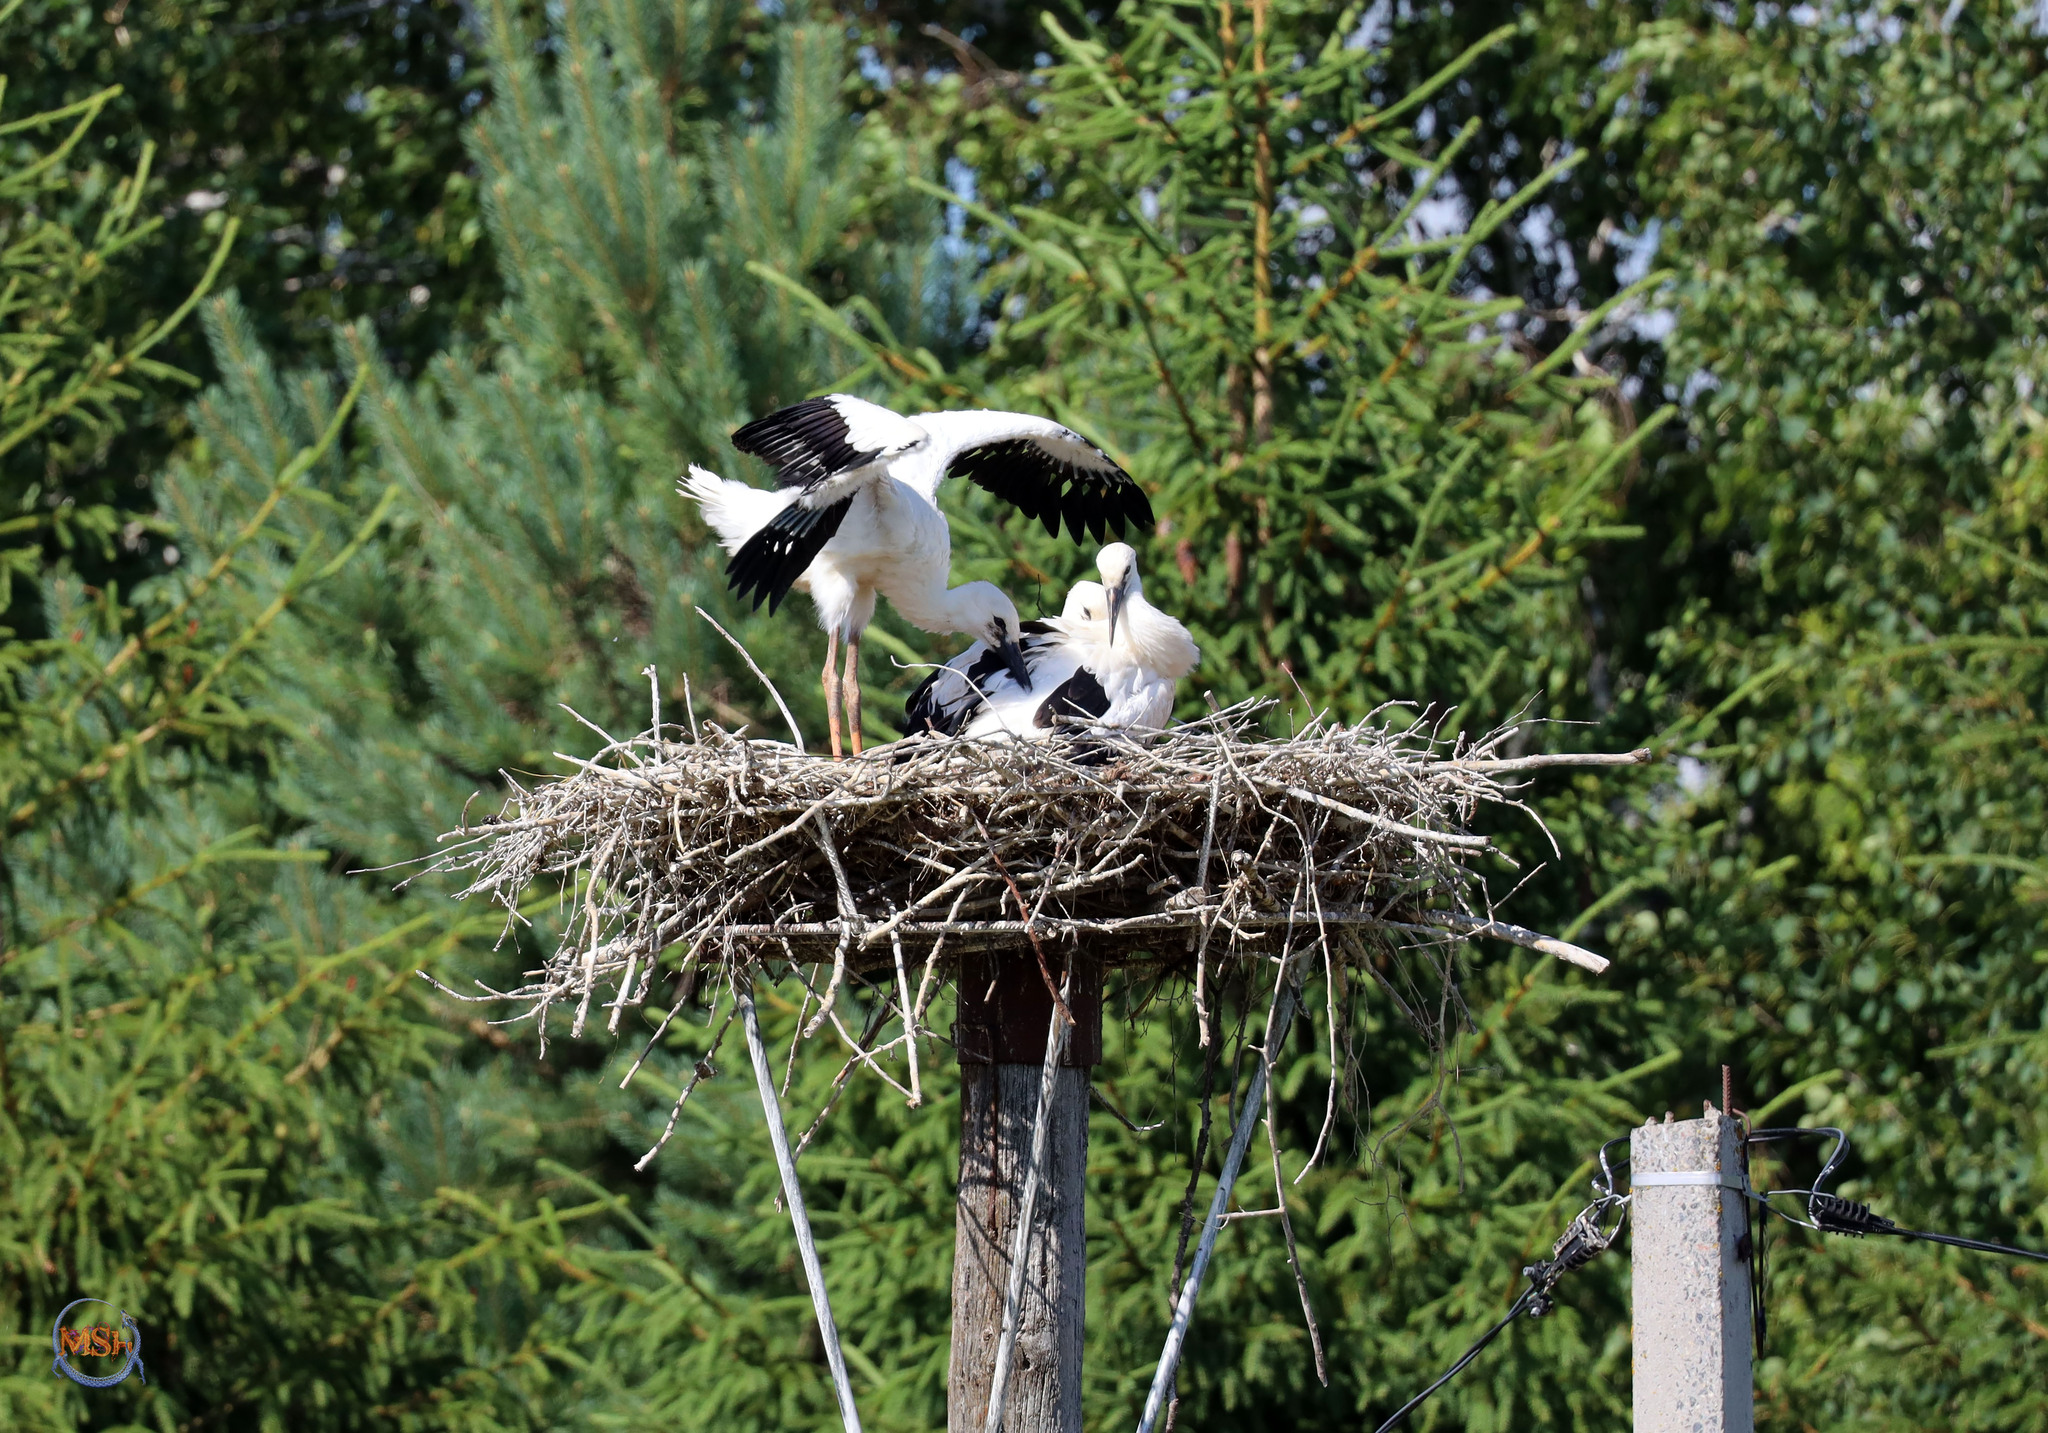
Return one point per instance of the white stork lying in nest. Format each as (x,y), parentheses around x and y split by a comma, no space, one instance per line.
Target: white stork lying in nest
(1109,660)
(857,514)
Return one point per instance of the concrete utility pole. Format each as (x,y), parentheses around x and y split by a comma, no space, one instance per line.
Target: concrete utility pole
(1690,1255)
(1001,1039)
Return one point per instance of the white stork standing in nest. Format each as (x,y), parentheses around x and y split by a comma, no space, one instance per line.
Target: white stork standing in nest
(857,515)
(1110,659)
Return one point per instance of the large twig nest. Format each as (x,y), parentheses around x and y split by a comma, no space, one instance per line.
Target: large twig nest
(1202,844)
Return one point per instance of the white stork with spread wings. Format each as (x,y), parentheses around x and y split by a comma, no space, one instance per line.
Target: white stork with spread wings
(857,515)
(1110,659)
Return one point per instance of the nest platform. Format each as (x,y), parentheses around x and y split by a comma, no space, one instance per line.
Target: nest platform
(1210,851)
(1211,841)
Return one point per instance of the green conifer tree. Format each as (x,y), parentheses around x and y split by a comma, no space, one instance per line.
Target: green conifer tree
(158,1149)
(200,1016)
(1847,649)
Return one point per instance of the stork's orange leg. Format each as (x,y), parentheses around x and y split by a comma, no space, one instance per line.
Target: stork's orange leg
(832,689)
(851,690)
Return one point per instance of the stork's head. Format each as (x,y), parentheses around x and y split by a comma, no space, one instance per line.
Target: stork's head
(988,613)
(1086,602)
(1118,564)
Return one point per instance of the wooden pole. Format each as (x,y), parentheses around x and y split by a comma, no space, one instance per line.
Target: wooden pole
(1005,1012)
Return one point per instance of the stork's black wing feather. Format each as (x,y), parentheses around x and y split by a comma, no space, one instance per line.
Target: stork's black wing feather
(1080,695)
(807,442)
(924,712)
(770,561)
(1093,498)
(921,713)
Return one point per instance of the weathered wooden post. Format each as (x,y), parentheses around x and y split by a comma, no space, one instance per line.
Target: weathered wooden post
(1690,1283)
(1000,1036)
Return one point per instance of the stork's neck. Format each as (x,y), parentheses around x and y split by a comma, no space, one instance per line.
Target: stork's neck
(931,606)
(1156,641)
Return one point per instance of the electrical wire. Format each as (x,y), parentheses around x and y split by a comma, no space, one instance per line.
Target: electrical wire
(1756,1229)
(1833,1214)
(1515,1311)
(1599,1224)
(1829,1213)
(1590,1234)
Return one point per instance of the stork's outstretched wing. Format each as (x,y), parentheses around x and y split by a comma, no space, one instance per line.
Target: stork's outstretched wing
(823,449)
(768,564)
(820,439)
(826,447)
(1047,471)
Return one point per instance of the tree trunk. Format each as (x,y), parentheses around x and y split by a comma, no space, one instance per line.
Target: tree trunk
(1004,1010)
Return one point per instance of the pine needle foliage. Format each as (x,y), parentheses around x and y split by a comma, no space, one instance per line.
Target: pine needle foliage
(200,1016)
(1850,656)
(1227,259)
(66,374)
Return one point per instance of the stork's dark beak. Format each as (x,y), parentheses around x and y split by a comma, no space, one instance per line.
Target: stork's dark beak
(1117,596)
(1013,658)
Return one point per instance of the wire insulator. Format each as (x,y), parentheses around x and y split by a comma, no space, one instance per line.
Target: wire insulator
(1836,1215)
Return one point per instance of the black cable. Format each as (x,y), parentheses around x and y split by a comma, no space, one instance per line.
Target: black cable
(1589,1235)
(1606,1185)
(1832,1214)
(1982,1246)
(1756,1229)
(1515,1311)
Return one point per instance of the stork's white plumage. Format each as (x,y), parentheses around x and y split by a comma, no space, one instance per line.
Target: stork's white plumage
(893,541)
(857,515)
(1110,659)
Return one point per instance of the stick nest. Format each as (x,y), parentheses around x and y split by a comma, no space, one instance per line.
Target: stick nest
(1206,843)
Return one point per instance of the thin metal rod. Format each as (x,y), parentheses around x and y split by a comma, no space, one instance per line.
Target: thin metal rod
(807,1247)
(1249,1114)
(1308,1312)
(1020,1241)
